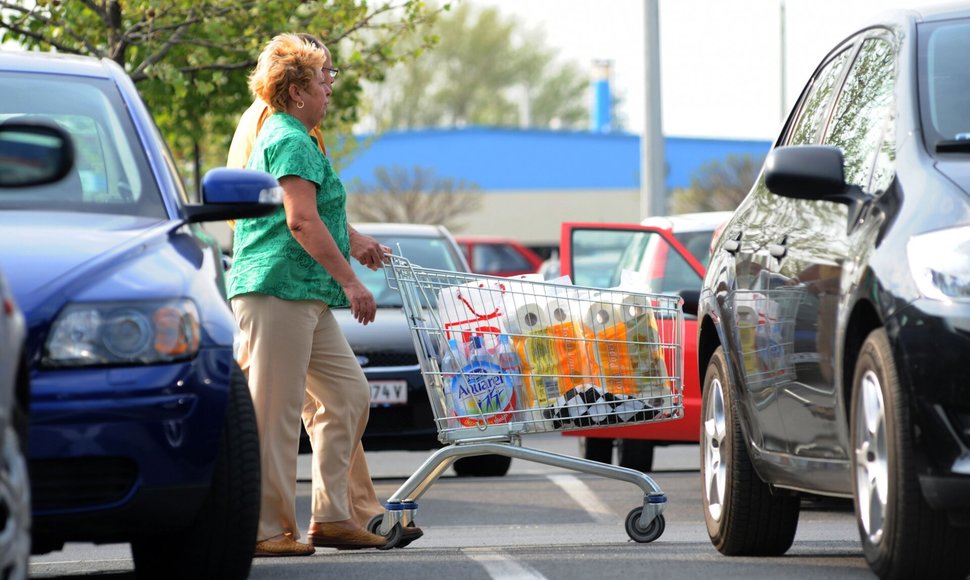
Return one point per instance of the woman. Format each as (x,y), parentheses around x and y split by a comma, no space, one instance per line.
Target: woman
(289,269)
(364,504)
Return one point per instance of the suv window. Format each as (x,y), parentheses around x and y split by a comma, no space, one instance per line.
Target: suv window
(812,114)
(495,258)
(944,81)
(863,124)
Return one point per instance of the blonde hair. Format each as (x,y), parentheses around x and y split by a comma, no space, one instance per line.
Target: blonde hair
(286,60)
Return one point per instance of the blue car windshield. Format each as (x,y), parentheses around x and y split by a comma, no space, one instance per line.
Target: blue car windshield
(944,80)
(111,174)
(425,252)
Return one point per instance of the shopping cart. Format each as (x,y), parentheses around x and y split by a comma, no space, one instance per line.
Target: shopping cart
(502,358)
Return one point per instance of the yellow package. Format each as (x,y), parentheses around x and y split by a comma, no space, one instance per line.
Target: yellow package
(610,355)
(538,355)
(646,356)
(573,361)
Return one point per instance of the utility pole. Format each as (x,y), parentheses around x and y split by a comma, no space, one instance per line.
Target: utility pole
(653,193)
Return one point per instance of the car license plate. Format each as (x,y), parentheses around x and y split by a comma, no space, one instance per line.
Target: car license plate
(388,393)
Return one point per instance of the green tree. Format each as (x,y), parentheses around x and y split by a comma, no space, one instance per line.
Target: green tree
(416,196)
(486,70)
(190,58)
(717,185)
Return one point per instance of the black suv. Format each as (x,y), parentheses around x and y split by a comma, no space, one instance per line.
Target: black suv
(834,321)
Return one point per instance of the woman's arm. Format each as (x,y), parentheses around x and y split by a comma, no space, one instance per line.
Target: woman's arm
(300,205)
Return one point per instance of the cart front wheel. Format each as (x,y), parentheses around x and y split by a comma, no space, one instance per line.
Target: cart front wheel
(393,537)
(374,527)
(641,534)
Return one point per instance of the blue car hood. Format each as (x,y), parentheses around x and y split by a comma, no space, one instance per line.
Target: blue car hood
(49,254)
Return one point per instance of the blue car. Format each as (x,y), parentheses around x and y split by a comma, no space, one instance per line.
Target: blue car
(141,425)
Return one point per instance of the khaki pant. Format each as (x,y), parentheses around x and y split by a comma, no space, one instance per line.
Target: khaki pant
(297,360)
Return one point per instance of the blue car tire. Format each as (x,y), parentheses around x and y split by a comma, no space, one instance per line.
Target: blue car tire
(221,542)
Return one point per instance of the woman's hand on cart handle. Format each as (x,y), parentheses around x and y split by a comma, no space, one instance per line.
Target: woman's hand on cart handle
(366,250)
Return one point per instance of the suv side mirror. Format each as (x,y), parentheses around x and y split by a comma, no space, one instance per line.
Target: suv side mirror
(34,153)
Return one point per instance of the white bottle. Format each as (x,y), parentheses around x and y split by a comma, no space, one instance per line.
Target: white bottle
(452,364)
(511,365)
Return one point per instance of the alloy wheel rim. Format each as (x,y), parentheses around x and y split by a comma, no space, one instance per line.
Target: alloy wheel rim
(715,467)
(871,458)
(15,495)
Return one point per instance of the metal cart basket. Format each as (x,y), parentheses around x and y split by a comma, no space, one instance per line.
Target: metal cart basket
(506,357)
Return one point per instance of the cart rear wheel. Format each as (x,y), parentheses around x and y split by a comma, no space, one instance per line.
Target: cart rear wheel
(647,534)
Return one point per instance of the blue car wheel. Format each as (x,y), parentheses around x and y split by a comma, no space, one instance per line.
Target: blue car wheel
(221,542)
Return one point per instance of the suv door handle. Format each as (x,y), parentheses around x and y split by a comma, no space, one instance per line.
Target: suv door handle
(733,244)
(779,250)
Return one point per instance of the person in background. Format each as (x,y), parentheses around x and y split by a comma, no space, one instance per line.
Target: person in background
(289,269)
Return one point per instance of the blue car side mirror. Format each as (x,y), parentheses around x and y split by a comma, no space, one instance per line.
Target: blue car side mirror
(229,194)
(34,153)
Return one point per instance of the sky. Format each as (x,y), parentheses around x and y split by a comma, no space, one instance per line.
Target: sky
(720,63)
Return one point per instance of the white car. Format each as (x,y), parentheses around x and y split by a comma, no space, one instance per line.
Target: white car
(29,155)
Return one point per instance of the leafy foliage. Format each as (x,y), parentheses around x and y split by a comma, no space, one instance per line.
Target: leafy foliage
(717,185)
(486,70)
(417,196)
(190,58)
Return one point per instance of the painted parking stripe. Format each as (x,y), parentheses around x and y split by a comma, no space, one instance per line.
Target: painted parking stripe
(500,566)
(585,497)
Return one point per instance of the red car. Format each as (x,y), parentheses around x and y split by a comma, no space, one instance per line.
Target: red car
(498,256)
(671,254)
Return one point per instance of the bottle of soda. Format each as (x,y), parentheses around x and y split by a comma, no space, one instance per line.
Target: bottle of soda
(452,367)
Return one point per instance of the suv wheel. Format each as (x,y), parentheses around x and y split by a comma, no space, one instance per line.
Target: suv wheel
(221,542)
(598,449)
(482,466)
(902,537)
(636,454)
(742,514)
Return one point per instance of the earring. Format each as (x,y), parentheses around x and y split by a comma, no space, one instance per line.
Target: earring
(299,105)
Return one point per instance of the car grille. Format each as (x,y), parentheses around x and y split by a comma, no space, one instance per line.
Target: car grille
(81,482)
(389,359)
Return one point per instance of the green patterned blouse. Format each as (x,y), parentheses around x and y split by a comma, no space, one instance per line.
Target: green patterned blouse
(267,259)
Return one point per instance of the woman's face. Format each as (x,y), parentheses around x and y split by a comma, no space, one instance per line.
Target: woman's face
(316,98)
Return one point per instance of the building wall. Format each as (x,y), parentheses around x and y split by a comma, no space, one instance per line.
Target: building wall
(533,217)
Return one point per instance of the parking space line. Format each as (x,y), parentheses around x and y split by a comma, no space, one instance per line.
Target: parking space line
(585,497)
(500,566)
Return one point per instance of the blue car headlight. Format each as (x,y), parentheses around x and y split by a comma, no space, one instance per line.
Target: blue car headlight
(123,333)
(940,263)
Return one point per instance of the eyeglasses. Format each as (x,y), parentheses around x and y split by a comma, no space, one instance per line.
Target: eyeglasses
(332,72)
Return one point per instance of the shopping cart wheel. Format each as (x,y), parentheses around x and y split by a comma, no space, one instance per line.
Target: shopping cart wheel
(640,534)
(393,538)
(374,526)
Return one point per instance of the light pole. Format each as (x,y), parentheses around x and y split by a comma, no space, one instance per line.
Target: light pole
(653,195)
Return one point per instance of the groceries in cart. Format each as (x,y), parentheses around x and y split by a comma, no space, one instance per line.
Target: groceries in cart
(555,356)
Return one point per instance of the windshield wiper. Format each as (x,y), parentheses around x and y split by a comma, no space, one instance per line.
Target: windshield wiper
(953,146)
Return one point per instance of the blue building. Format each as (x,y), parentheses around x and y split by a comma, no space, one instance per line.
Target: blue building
(534,179)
